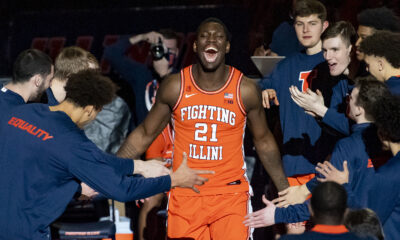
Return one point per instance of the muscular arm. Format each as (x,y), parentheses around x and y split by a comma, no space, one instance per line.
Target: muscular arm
(263,139)
(139,140)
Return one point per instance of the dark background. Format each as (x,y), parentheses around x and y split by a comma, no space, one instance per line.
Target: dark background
(251,22)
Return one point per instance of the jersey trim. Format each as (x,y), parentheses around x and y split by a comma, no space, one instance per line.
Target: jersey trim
(231,71)
(239,95)
(181,91)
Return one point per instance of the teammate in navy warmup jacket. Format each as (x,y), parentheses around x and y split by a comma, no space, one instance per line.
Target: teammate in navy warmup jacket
(327,207)
(337,43)
(46,155)
(362,151)
(382,56)
(32,74)
(384,191)
(301,132)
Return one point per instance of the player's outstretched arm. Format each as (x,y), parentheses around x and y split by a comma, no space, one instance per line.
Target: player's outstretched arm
(140,139)
(263,139)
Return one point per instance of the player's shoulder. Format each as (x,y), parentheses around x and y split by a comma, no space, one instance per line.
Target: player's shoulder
(170,89)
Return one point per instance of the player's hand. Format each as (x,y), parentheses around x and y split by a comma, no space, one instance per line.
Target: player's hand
(87,192)
(262,218)
(150,168)
(333,174)
(152,37)
(269,95)
(162,67)
(292,195)
(261,51)
(311,102)
(186,177)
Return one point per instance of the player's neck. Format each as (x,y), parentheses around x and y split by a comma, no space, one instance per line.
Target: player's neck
(57,87)
(74,112)
(210,80)
(20,89)
(315,49)
(392,72)
(394,148)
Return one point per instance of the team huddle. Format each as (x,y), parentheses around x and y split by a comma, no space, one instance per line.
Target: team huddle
(339,148)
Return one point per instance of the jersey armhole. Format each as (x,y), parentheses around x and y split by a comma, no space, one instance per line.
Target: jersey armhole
(181,91)
(239,96)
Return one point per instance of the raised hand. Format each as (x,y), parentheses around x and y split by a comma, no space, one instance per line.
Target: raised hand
(267,96)
(333,174)
(311,102)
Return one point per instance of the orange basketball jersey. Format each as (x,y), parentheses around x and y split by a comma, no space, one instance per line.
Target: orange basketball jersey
(209,127)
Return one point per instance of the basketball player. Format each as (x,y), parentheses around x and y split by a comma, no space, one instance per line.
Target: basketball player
(209,103)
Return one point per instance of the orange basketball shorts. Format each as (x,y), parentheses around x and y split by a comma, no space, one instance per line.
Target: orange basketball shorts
(208,217)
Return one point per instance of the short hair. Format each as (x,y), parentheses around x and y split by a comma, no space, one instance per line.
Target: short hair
(370,91)
(387,118)
(168,33)
(343,29)
(329,201)
(364,222)
(215,20)
(379,19)
(72,60)
(305,8)
(89,87)
(29,63)
(383,44)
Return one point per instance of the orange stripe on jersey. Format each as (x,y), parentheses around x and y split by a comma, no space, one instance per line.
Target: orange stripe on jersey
(180,92)
(209,127)
(239,96)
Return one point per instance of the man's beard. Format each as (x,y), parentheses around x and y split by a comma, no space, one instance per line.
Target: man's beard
(38,94)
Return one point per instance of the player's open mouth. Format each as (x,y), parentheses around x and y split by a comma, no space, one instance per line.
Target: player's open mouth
(211,54)
(332,65)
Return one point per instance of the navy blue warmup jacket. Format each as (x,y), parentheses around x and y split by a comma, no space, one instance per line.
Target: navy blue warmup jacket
(361,163)
(306,141)
(43,159)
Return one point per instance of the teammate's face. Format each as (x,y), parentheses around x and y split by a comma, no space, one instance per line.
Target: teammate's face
(336,54)
(362,32)
(353,110)
(374,67)
(211,45)
(309,30)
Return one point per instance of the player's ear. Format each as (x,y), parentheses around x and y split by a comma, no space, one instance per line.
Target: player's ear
(325,25)
(349,49)
(37,79)
(228,47)
(89,109)
(380,64)
(195,46)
